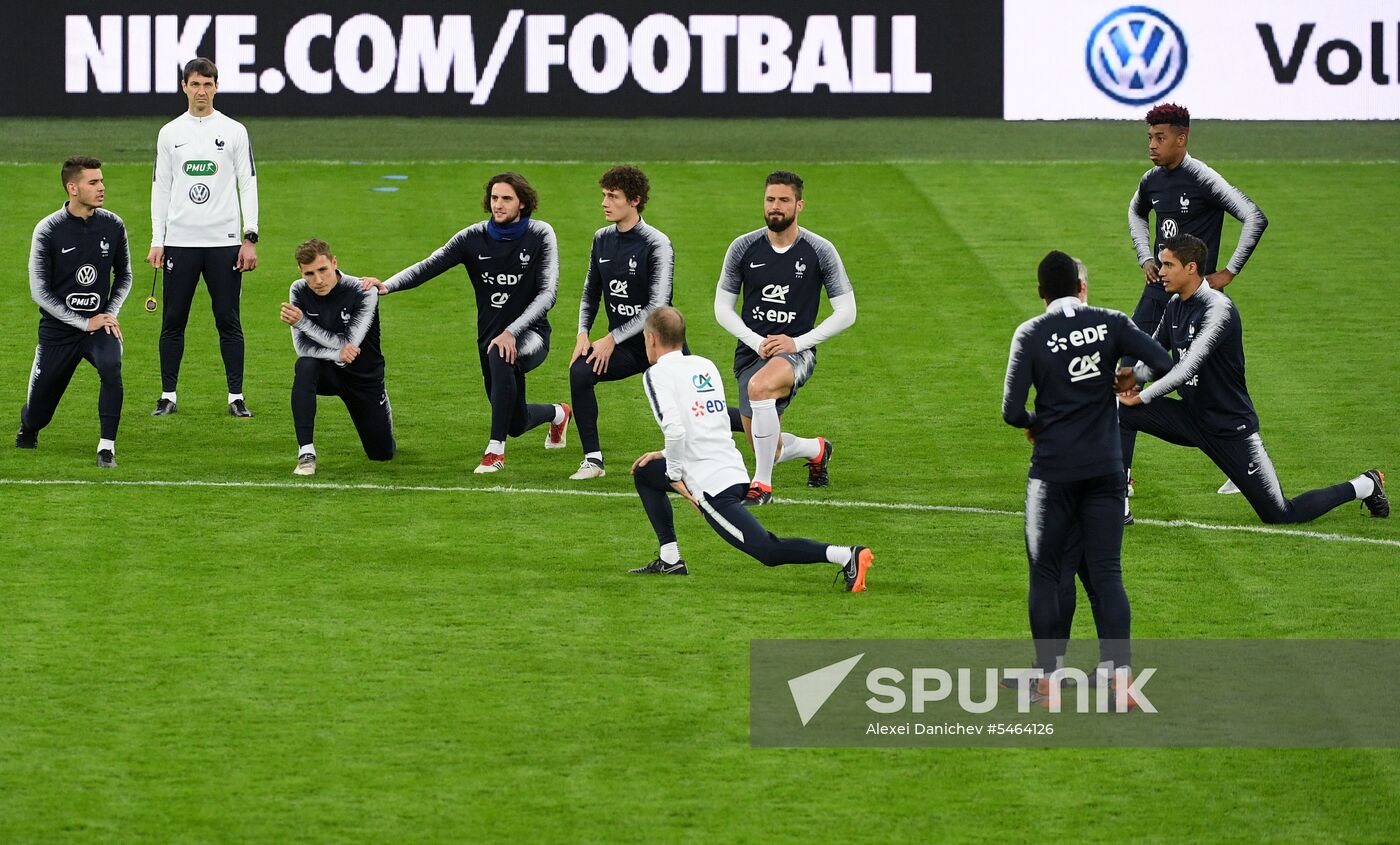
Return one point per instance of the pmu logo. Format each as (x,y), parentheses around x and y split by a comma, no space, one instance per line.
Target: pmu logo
(704,383)
(199,193)
(201,168)
(86,275)
(618,287)
(1136,55)
(84,301)
(499,298)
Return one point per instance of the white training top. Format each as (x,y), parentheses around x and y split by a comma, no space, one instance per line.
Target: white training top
(686,395)
(204,167)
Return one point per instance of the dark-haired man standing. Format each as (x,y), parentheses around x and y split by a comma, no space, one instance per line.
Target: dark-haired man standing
(1202,330)
(781,271)
(79,275)
(512,261)
(630,273)
(1075,479)
(204,178)
(1188,198)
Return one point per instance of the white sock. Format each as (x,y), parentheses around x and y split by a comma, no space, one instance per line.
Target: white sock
(496,447)
(308,449)
(799,447)
(766,429)
(558,414)
(168,395)
(109,445)
(233,397)
(671,553)
(1364,486)
(595,456)
(839,554)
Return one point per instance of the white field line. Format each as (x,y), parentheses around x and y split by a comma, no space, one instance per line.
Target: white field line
(755,162)
(605,494)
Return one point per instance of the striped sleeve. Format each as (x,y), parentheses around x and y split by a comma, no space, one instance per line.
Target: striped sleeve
(302,342)
(549,280)
(1240,206)
(41,272)
(366,307)
(444,258)
(1017,387)
(662,269)
(1216,321)
(832,269)
(592,287)
(1138,229)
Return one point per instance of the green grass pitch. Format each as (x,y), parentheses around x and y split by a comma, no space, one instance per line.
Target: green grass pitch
(316,661)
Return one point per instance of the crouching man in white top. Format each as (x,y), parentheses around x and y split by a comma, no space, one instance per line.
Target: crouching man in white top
(701,463)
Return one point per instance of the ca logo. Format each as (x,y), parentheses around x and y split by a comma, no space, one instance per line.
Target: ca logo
(1084,367)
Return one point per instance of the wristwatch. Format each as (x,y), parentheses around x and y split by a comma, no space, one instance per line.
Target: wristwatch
(250,237)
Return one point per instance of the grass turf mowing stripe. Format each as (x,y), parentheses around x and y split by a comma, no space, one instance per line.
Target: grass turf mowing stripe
(604,494)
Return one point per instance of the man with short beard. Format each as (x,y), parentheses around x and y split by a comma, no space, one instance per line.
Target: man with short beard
(781,271)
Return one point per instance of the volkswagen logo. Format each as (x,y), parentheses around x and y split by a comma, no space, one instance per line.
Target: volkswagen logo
(86,275)
(1136,55)
(199,193)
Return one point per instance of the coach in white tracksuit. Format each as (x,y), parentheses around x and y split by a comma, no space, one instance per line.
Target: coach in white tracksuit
(204,176)
(701,463)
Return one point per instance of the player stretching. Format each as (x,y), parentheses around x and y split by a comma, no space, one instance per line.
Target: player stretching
(79,275)
(1202,330)
(512,261)
(1075,486)
(700,462)
(630,272)
(781,271)
(1188,198)
(335,330)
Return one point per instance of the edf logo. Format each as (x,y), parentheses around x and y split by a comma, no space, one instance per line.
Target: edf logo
(1136,55)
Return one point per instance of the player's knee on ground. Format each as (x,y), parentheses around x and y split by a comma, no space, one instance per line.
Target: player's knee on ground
(385,453)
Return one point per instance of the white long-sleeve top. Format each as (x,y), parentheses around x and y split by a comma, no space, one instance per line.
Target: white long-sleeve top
(686,395)
(204,175)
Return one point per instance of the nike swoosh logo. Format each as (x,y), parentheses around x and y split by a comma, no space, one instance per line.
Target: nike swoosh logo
(483,257)
(604,260)
(1256,469)
(309,314)
(178,146)
(753,266)
(68,250)
(1154,202)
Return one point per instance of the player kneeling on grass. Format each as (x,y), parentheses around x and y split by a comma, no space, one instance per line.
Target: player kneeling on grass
(701,463)
(335,329)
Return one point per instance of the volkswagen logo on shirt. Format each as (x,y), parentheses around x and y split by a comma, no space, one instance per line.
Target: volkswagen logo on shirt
(199,193)
(1168,228)
(1136,55)
(86,275)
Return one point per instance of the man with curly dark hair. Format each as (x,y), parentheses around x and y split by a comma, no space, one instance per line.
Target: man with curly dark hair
(512,261)
(1188,198)
(629,274)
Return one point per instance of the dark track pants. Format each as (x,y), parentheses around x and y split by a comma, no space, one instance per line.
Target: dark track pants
(183,267)
(367,402)
(1053,511)
(54,365)
(1243,460)
(627,360)
(730,520)
(505,387)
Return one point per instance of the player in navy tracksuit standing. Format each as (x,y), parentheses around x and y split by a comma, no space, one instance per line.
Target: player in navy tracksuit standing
(1187,197)
(512,261)
(1075,477)
(79,275)
(1201,328)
